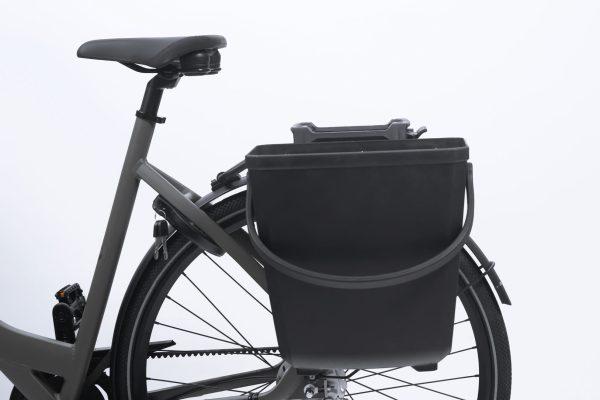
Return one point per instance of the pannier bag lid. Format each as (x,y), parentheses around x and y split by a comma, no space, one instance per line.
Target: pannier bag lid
(357,154)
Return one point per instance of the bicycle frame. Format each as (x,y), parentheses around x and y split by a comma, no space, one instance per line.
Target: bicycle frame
(24,356)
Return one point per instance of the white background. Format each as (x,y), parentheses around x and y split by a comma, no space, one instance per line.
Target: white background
(518,80)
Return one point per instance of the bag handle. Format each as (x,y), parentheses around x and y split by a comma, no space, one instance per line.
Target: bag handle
(365,281)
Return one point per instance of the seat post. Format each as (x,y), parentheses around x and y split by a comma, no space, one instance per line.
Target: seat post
(153,96)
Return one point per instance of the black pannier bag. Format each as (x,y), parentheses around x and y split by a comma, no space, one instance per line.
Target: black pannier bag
(360,243)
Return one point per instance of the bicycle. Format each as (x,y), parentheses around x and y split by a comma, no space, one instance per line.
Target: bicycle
(204,229)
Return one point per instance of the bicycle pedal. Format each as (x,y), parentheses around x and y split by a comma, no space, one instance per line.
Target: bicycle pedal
(67,313)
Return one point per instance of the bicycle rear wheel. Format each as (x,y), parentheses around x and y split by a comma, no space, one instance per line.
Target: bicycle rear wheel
(225,343)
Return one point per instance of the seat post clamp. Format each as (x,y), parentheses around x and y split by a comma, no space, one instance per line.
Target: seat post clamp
(150,118)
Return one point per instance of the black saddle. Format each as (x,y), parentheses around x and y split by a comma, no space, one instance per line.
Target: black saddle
(180,53)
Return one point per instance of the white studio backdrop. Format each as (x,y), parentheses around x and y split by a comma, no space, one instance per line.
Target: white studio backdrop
(518,80)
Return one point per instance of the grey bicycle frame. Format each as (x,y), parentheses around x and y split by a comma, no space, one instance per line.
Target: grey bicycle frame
(24,356)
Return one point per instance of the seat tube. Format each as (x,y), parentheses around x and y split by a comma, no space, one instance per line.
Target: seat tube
(114,237)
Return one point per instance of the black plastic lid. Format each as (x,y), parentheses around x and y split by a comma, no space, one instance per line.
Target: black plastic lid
(358,154)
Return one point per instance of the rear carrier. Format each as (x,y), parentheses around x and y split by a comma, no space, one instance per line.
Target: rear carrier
(359,229)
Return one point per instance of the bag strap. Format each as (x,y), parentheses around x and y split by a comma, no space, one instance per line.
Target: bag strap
(365,281)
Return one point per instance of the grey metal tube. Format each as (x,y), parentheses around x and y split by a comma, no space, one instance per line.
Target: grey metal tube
(109,255)
(24,348)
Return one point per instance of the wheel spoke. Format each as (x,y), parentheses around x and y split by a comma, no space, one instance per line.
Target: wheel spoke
(462,350)
(461,322)
(224,317)
(372,374)
(418,383)
(193,384)
(239,284)
(414,384)
(255,388)
(260,388)
(203,320)
(375,390)
(397,368)
(198,334)
(165,381)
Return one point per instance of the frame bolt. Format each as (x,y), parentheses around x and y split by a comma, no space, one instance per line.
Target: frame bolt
(310,391)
